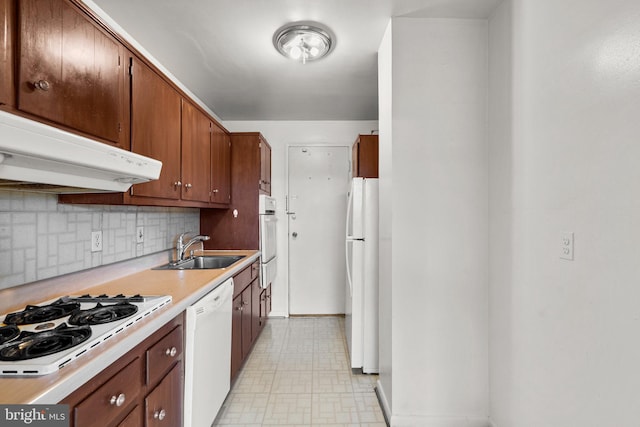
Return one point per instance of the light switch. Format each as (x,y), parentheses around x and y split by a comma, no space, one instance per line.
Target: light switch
(566,245)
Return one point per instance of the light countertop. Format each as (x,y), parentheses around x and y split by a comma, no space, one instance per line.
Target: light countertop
(185,287)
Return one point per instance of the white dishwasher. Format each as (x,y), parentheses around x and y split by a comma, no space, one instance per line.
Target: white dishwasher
(207,356)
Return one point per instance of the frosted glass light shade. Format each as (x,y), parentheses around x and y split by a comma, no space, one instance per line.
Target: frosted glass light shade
(302,43)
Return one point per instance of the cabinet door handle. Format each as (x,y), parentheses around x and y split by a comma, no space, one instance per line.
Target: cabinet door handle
(188,186)
(214,191)
(177,184)
(119,400)
(42,85)
(171,352)
(160,415)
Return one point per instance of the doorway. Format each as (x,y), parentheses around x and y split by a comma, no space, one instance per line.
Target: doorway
(318,182)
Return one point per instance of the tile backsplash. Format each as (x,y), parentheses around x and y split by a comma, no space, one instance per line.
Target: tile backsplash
(40,238)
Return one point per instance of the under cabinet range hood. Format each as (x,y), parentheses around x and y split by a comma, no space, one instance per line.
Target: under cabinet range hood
(41,158)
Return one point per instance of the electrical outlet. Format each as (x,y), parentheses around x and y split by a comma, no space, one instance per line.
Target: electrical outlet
(96,241)
(566,246)
(140,234)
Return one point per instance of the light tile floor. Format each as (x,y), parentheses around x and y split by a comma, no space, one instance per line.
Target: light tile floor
(298,374)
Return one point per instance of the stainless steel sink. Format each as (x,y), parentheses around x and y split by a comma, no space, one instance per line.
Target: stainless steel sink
(204,262)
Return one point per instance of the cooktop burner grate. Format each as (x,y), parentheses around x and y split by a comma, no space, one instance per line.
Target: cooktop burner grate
(103,314)
(7,333)
(30,345)
(49,345)
(37,314)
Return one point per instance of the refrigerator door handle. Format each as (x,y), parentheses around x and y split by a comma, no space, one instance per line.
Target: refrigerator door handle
(346,255)
(348,239)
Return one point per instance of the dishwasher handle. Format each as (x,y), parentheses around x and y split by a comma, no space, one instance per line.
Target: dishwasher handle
(214,299)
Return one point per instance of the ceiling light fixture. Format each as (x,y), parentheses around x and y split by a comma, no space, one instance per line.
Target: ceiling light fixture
(302,42)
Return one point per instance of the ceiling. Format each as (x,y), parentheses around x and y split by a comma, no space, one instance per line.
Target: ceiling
(222,51)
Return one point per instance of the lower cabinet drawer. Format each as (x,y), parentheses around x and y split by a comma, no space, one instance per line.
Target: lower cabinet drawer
(108,402)
(241,281)
(163,354)
(163,406)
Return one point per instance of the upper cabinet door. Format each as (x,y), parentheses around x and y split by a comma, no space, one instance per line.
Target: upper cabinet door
(265,167)
(220,166)
(365,156)
(196,154)
(70,71)
(155,130)
(6,52)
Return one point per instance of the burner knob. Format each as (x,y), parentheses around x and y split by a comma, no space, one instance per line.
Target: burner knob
(171,352)
(159,415)
(118,401)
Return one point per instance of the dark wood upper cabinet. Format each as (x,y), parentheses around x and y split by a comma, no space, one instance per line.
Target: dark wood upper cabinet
(155,130)
(250,177)
(220,166)
(60,64)
(265,167)
(364,156)
(6,52)
(196,153)
(70,70)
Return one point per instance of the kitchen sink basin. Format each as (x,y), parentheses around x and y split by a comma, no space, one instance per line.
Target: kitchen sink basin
(204,262)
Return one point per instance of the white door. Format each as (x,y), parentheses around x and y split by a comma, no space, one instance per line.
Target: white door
(318,183)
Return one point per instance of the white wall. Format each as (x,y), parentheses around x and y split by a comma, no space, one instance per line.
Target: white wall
(501,220)
(385,169)
(439,222)
(281,134)
(565,334)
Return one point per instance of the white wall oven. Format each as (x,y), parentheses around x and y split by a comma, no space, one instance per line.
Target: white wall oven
(268,227)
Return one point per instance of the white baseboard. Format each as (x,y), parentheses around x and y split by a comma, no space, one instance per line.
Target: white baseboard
(278,314)
(384,403)
(426,421)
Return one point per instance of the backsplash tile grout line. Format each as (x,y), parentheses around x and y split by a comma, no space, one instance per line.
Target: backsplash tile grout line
(40,238)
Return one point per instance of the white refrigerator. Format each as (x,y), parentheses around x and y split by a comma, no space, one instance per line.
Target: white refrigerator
(361,310)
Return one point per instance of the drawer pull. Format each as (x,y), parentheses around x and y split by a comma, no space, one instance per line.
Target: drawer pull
(119,400)
(171,352)
(160,415)
(42,85)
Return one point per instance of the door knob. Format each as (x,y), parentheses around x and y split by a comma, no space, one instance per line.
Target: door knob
(294,234)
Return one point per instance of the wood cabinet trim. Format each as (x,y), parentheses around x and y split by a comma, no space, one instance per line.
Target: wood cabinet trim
(90,13)
(7,52)
(136,356)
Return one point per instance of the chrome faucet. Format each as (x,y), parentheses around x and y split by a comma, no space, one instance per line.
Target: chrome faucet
(181,247)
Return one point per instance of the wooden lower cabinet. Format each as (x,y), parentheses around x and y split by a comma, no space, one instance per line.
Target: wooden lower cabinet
(106,402)
(142,388)
(265,306)
(246,323)
(161,407)
(256,315)
(134,419)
